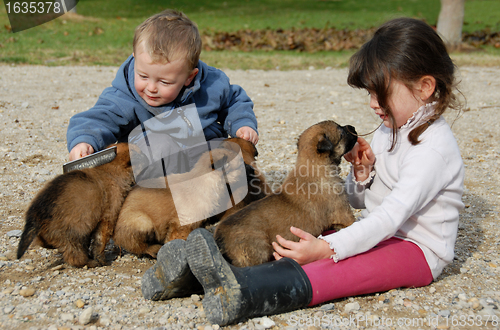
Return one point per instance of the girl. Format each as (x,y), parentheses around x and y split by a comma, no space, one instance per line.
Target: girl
(409,182)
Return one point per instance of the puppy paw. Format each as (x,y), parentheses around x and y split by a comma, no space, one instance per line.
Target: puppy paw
(93,263)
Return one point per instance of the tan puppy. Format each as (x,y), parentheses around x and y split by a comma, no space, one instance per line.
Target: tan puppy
(311,198)
(149,218)
(257,185)
(78,207)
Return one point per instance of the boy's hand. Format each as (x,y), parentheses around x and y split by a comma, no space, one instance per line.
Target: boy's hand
(306,250)
(362,159)
(80,150)
(248,134)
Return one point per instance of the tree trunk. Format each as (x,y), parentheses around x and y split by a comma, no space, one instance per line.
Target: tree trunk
(450,21)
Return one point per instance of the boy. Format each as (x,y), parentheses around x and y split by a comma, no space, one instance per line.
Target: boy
(163,73)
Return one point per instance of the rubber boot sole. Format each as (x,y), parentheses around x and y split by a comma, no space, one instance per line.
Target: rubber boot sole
(222,301)
(170,277)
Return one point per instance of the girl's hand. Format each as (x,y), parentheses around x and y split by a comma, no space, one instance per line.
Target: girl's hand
(362,159)
(248,134)
(80,150)
(306,250)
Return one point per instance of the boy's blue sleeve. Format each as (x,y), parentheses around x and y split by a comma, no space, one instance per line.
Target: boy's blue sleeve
(239,110)
(106,122)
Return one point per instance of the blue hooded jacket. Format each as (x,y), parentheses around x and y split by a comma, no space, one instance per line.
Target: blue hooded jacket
(223,108)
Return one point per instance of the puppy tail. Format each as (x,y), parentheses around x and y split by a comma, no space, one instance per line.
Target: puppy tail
(30,231)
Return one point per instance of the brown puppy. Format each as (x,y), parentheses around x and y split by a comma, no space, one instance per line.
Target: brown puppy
(311,198)
(78,207)
(149,217)
(257,185)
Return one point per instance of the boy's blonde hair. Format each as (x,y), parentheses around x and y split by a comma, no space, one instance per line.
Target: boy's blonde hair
(167,36)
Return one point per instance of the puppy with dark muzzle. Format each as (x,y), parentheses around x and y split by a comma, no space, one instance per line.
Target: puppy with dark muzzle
(149,216)
(76,212)
(311,198)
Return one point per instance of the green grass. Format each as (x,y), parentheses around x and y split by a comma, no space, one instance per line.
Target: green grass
(481,14)
(103,33)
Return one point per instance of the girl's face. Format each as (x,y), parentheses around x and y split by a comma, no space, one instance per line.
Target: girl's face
(402,102)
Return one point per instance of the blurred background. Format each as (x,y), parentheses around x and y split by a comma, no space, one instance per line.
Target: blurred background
(250,34)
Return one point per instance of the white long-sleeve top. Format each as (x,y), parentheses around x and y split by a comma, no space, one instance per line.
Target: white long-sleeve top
(415,194)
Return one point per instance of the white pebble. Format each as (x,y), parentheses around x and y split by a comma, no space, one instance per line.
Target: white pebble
(105,321)
(86,316)
(14,233)
(267,322)
(328,307)
(351,307)
(8,309)
(144,310)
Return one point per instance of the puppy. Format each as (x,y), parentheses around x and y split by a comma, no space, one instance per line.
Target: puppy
(312,198)
(149,217)
(257,185)
(78,207)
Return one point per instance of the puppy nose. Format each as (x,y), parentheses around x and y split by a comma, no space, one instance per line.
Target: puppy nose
(351,129)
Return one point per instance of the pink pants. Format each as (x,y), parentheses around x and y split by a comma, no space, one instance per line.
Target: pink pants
(392,264)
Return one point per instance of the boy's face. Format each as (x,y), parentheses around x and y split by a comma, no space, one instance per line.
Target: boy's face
(159,84)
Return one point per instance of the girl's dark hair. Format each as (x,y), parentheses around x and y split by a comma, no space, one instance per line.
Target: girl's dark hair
(404,49)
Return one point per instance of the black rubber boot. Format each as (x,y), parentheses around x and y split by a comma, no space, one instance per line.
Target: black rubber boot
(170,277)
(234,294)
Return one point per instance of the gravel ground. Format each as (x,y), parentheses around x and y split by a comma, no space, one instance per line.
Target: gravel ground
(38,292)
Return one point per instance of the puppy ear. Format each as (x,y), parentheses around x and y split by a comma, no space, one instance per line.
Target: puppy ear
(250,171)
(324,145)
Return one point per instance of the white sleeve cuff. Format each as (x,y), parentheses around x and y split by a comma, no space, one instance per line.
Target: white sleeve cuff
(367,181)
(334,256)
